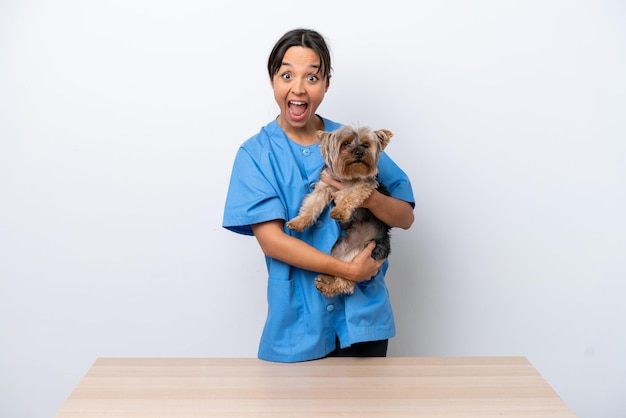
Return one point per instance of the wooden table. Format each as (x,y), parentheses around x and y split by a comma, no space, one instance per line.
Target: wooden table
(332,387)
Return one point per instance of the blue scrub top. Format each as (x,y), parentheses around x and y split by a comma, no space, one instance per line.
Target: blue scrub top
(271,176)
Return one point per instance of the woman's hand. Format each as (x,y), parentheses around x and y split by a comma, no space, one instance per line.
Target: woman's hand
(365,266)
(326,178)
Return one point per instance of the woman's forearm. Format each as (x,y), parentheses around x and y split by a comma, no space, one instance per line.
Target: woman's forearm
(276,244)
(394,212)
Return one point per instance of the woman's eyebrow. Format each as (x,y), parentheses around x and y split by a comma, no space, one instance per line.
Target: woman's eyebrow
(288,64)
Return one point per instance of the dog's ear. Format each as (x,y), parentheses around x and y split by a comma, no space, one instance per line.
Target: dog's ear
(324,137)
(384,136)
(328,148)
(322,134)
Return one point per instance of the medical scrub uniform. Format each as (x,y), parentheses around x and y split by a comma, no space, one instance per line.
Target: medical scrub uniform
(270,178)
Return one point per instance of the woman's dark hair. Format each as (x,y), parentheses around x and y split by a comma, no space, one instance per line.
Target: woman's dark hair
(300,37)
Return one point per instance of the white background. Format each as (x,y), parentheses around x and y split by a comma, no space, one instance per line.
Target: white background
(119,122)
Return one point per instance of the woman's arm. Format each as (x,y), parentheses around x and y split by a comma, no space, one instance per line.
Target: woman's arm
(394,212)
(276,244)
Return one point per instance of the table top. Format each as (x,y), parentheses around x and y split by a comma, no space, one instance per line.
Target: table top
(331,387)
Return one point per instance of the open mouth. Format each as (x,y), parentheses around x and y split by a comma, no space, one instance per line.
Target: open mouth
(297,108)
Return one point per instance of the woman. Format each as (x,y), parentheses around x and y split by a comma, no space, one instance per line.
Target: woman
(272,172)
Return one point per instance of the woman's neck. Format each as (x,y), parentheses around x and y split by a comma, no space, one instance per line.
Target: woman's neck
(305,136)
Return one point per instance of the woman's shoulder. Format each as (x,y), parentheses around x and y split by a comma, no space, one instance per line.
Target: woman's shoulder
(330,125)
(263,135)
(258,143)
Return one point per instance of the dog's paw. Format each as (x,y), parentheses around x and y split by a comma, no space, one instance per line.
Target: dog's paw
(332,286)
(339,214)
(297,224)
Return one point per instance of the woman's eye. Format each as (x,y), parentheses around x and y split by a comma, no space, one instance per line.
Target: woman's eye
(313,78)
(286,76)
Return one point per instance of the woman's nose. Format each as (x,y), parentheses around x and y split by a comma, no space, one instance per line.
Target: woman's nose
(299,86)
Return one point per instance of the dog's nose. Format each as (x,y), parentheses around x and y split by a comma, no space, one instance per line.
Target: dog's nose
(358,153)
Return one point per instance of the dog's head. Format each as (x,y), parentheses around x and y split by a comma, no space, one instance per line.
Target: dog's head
(353,153)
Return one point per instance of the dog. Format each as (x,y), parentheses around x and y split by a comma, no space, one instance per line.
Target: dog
(351,156)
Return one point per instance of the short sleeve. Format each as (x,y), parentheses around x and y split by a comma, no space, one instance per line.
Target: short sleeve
(395,180)
(252,197)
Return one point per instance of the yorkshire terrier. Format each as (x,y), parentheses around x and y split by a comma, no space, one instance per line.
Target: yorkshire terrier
(351,156)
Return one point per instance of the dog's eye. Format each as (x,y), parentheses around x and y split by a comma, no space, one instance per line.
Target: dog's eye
(346,144)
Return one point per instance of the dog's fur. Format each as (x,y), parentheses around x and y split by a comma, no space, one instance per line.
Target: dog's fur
(350,155)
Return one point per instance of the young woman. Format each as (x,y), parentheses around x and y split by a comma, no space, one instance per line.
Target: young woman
(272,172)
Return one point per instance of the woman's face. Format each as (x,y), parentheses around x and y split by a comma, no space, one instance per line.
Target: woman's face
(299,88)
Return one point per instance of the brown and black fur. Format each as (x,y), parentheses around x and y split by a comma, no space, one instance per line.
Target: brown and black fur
(351,155)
